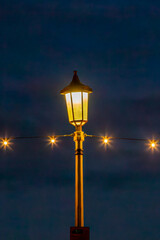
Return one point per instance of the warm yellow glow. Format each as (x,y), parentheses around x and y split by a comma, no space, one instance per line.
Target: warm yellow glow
(5,143)
(69,106)
(153,145)
(106,140)
(85,106)
(77,105)
(52,140)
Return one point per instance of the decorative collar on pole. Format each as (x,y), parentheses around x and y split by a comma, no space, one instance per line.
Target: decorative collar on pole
(76,86)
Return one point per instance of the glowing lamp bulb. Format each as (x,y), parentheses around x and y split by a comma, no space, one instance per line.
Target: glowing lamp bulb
(5,143)
(105,140)
(52,140)
(153,145)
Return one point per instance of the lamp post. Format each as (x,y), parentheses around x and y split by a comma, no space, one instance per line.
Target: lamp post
(76,96)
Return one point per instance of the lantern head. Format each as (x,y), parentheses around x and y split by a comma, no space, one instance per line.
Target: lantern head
(76,95)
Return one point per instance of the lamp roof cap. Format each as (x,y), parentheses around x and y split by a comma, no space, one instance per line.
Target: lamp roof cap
(76,86)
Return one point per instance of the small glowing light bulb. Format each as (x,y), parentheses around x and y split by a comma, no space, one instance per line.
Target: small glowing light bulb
(5,143)
(52,140)
(153,145)
(106,140)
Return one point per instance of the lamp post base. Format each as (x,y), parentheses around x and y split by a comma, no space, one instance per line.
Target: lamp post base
(79,233)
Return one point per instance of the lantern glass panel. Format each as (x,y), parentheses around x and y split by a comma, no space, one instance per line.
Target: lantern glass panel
(69,106)
(77,105)
(85,106)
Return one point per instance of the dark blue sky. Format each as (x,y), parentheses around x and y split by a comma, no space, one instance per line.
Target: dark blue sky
(115,46)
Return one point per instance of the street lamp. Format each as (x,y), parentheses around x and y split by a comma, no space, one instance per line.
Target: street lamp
(76,96)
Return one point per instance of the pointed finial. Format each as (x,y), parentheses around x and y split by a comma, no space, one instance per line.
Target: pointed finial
(75,72)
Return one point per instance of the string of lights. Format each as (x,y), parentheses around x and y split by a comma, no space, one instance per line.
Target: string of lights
(5,141)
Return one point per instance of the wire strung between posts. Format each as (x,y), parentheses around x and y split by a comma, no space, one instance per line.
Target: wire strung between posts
(118,138)
(72,134)
(36,137)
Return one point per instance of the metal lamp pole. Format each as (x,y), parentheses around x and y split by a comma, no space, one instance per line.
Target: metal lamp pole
(79,207)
